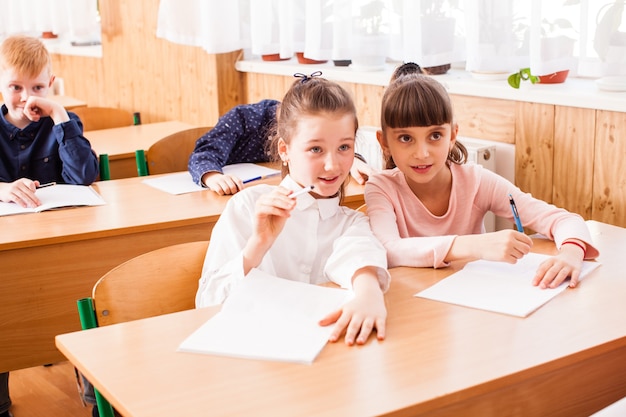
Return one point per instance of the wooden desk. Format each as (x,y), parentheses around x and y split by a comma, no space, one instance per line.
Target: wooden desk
(566,359)
(51,259)
(68,102)
(120,143)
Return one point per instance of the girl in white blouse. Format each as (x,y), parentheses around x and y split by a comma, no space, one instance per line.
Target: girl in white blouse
(310,237)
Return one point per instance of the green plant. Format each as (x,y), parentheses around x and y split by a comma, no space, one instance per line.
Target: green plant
(523,74)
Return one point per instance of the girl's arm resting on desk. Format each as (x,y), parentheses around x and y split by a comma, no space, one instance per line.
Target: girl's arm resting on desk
(504,245)
(567,263)
(364,312)
(222,184)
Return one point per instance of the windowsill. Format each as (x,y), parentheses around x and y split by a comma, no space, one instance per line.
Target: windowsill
(574,92)
(62,46)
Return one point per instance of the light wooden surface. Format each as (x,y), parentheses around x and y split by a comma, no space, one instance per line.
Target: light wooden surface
(171,153)
(96,118)
(120,143)
(46,391)
(51,259)
(70,103)
(184,83)
(565,359)
(161,281)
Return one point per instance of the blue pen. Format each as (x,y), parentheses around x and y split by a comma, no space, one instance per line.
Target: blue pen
(518,222)
(252,179)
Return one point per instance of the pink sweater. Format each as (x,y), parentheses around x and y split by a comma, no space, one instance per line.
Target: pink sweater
(413,236)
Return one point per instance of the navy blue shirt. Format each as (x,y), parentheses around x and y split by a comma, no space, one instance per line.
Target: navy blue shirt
(239,136)
(46,152)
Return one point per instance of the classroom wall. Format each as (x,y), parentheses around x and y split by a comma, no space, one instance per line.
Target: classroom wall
(139,72)
(166,81)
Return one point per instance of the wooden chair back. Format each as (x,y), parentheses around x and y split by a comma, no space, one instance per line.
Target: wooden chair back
(96,118)
(158,282)
(171,153)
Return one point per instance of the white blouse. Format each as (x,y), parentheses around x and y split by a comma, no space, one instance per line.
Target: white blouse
(322,241)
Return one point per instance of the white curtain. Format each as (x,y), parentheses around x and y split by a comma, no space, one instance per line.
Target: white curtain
(322,29)
(488,35)
(74,19)
(217,26)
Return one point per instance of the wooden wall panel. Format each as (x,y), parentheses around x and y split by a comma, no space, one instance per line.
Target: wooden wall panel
(574,130)
(609,174)
(534,149)
(485,118)
(368,99)
(140,72)
(264,86)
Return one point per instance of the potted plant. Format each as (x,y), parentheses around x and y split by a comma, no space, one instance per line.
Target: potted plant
(552,48)
(525,74)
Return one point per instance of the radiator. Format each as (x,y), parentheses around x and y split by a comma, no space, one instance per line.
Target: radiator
(483,154)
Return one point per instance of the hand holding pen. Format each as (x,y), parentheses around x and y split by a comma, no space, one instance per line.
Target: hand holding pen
(21,192)
(270,215)
(518,222)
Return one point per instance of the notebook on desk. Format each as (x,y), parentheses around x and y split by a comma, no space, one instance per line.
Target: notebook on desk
(181,182)
(55,197)
(269,318)
(498,286)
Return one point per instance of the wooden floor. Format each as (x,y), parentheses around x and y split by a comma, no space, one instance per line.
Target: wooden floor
(49,391)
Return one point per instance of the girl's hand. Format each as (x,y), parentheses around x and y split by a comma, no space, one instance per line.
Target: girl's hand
(21,192)
(361,315)
(271,212)
(361,171)
(222,184)
(503,246)
(568,263)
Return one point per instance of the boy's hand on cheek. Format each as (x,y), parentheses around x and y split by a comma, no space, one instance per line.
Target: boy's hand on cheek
(38,107)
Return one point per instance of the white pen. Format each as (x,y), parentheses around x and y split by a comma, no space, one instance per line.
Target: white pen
(302,191)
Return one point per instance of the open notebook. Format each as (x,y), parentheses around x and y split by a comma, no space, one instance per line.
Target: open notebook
(499,286)
(181,182)
(57,196)
(269,318)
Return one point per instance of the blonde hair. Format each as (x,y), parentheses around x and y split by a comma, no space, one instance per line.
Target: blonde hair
(26,55)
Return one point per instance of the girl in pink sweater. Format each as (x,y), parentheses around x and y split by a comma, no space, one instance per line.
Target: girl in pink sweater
(428,207)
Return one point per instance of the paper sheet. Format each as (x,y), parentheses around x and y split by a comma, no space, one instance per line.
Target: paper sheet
(181,182)
(269,318)
(498,286)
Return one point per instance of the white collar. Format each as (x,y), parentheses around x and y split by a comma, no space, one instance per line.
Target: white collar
(327,207)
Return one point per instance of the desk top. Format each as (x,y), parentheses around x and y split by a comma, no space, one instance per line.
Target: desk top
(131,207)
(436,357)
(122,142)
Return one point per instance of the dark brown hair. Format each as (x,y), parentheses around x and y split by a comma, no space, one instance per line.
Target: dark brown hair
(414,99)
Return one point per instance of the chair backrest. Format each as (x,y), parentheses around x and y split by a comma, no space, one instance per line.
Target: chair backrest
(96,118)
(158,282)
(171,153)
